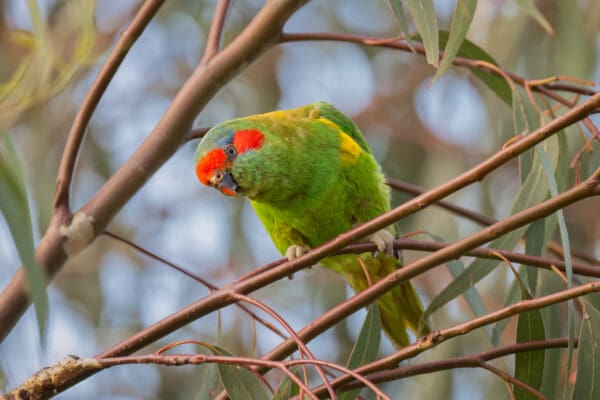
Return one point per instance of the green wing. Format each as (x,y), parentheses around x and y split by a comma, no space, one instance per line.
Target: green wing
(346,124)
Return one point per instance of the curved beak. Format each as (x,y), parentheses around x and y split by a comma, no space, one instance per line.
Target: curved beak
(224,181)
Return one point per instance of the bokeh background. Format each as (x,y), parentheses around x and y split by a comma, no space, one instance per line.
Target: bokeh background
(421,132)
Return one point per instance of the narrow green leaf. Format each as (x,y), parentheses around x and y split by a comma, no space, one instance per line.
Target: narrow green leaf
(208,383)
(398,11)
(461,21)
(366,347)
(564,238)
(562,225)
(535,242)
(470,50)
(553,362)
(529,365)
(529,7)
(472,296)
(532,192)
(513,297)
(423,14)
(587,385)
(239,382)
(288,388)
(14,207)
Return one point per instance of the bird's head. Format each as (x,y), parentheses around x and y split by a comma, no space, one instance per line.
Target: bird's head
(222,150)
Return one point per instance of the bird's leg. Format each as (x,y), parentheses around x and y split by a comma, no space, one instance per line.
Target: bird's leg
(293,252)
(384,241)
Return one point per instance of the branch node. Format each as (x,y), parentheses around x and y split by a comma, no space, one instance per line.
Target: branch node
(45,382)
(78,234)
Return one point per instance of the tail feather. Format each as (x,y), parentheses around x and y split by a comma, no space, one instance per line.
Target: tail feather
(400,308)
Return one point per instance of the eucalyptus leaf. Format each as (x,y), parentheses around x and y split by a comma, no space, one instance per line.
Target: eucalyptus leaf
(238,381)
(423,14)
(587,385)
(288,388)
(461,21)
(398,11)
(529,7)
(14,206)
(529,365)
(366,347)
(533,191)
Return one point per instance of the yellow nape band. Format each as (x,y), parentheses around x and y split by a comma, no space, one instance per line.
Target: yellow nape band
(349,149)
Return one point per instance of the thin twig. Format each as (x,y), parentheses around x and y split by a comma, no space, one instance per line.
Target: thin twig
(416,190)
(437,337)
(509,379)
(467,361)
(402,45)
(302,347)
(67,163)
(481,252)
(213,41)
(166,137)
(430,261)
(195,277)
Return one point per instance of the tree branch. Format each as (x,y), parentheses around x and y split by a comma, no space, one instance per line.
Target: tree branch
(215,32)
(398,44)
(62,241)
(343,310)
(469,361)
(67,164)
(437,337)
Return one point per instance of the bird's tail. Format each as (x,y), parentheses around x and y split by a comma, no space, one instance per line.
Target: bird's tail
(400,308)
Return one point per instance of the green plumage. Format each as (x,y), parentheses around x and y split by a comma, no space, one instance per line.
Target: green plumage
(313,178)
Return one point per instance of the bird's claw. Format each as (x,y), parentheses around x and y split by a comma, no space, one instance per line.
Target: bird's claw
(294,251)
(384,241)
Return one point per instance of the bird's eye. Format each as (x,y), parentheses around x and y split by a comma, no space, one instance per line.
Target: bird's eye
(231,152)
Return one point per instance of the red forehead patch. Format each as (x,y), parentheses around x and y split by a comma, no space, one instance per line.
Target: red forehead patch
(247,139)
(214,159)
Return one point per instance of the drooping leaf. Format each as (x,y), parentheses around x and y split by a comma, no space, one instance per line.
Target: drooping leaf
(470,50)
(587,385)
(529,365)
(553,361)
(529,7)
(533,191)
(535,242)
(398,11)
(15,209)
(564,238)
(423,14)
(288,388)
(461,20)
(512,297)
(366,347)
(209,381)
(239,382)
(472,296)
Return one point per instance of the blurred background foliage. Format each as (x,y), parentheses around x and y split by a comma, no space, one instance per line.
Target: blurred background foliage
(422,133)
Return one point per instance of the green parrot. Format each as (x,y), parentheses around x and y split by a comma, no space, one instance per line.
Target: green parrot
(310,175)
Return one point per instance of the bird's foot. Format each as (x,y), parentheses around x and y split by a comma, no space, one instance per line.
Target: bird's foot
(294,251)
(384,241)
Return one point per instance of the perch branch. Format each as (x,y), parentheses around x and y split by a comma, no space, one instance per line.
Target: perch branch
(61,241)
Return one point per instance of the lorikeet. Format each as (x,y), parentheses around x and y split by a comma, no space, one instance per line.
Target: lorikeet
(310,175)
